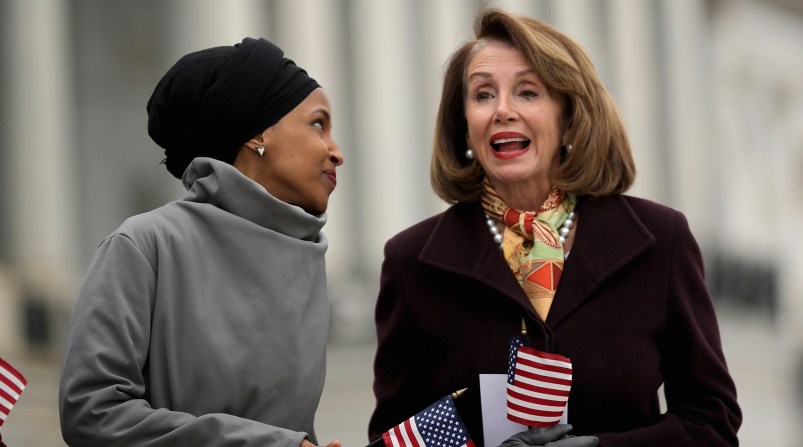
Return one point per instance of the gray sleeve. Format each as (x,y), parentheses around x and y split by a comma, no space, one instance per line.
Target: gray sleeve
(103,398)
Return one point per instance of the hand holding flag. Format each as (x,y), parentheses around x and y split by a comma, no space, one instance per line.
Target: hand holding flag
(554,436)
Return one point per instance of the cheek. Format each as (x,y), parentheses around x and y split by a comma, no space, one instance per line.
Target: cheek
(474,126)
(550,125)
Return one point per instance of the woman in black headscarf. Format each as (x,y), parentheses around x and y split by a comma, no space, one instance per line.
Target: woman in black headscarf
(204,322)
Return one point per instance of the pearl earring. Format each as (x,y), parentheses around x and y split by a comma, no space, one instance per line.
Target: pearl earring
(568,148)
(470,154)
(260,150)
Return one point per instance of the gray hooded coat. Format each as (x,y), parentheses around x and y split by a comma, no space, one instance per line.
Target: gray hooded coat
(201,323)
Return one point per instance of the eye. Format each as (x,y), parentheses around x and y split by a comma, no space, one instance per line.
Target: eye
(528,94)
(318,124)
(482,95)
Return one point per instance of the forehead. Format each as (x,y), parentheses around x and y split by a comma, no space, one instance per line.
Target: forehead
(494,56)
(315,100)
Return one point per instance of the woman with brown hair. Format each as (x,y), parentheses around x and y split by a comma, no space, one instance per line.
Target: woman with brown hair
(532,153)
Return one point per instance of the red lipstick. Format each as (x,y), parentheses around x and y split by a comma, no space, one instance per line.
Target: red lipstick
(507,145)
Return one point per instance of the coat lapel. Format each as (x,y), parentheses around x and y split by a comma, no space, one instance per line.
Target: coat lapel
(460,243)
(609,236)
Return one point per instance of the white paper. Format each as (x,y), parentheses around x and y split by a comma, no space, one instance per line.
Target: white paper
(493,400)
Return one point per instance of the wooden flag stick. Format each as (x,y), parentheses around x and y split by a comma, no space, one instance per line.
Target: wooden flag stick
(458,393)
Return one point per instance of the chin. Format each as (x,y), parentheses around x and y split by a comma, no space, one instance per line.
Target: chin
(514,176)
(315,209)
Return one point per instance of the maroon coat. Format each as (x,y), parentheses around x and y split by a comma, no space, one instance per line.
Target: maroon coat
(632,311)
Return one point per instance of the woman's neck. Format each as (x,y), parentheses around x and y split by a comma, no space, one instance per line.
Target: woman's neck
(529,196)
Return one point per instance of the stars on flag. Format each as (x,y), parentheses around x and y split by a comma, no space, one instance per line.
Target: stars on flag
(438,425)
(515,343)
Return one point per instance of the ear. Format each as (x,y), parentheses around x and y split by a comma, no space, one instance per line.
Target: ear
(567,133)
(259,141)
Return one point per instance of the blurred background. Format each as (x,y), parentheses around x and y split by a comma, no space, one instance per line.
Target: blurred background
(711,92)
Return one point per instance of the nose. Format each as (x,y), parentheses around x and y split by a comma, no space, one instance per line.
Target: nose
(334,154)
(504,110)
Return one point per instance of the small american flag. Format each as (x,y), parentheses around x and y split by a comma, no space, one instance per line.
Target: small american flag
(538,385)
(11,385)
(438,425)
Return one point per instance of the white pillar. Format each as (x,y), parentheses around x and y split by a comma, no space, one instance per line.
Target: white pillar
(688,95)
(525,7)
(581,20)
(636,81)
(198,24)
(385,122)
(40,146)
(445,25)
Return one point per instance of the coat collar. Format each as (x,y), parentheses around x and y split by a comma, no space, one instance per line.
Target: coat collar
(224,186)
(460,243)
(609,236)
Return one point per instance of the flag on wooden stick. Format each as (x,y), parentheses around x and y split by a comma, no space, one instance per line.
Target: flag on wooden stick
(438,425)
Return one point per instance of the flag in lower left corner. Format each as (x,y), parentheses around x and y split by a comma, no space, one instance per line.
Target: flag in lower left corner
(11,385)
(438,425)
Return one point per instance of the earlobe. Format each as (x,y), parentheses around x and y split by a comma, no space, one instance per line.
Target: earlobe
(258,143)
(255,145)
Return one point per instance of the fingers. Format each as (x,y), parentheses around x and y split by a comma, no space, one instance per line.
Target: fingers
(307,443)
(577,441)
(540,436)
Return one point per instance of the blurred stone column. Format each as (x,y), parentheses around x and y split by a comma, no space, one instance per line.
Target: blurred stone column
(689,97)
(387,137)
(584,22)
(444,25)
(634,42)
(198,24)
(39,145)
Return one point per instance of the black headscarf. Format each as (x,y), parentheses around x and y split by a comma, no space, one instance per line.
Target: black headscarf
(213,101)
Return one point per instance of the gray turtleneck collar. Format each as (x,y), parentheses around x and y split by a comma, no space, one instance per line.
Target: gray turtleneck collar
(224,186)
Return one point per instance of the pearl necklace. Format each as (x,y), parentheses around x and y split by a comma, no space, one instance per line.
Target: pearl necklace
(563,231)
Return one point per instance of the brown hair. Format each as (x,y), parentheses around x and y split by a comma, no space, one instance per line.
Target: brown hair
(600,162)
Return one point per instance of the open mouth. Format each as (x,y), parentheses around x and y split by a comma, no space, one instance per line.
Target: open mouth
(510,144)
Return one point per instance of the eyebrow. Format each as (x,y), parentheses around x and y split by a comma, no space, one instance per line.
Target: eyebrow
(323,112)
(486,75)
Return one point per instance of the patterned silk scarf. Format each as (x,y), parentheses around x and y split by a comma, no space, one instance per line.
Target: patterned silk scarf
(531,244)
